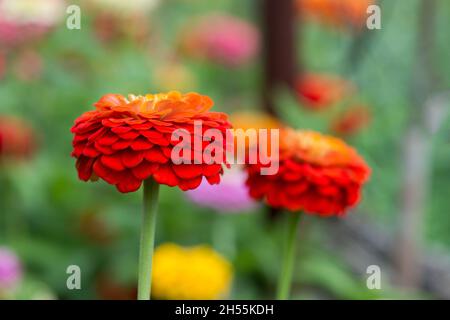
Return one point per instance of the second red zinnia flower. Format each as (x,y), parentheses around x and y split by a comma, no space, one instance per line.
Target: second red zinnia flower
(317,174)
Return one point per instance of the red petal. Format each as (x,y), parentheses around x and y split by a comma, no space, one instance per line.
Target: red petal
(99,133)
(211,169)
(214,179)
(136,122)
(84,167)
(109,100)
(91,152)
(188,171)
(78,149)
(353,195)
(85,127)
(165,175)
(131,159)
(129,135)
(121,130)
(155,137)
(105,173)
(143,126)
(104,149)
(141,144)
(111,124)
(122,144)
(329,190)
(80,138)
(129,184)
(164,129)
(190,184)
(297,188)
(167,151)
(108,139)
(160,123)
(290,175)
(144,170)
(152,134)
(113,162)
(155,155)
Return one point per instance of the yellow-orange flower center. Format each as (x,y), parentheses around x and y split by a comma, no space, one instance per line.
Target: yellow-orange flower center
(316,148)
(171,105)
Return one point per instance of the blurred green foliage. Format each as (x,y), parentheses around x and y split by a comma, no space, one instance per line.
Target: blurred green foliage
(45,200)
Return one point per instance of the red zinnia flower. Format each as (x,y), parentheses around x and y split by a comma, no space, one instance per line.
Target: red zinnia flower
(16,139)
(341,13)
(351,121)
(318,174)
(319,91)
(125,141)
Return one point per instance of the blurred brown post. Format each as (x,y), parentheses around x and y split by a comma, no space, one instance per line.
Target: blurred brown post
(278,20)
(417,156)
(279,49)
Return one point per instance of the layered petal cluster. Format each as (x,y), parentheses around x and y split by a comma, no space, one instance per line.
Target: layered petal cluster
(190,273)
(127,140)
(320,91)
(222,39)
(317,174)
(349,14)
(17,139)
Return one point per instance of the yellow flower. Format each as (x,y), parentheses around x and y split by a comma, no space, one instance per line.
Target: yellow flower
(190,273)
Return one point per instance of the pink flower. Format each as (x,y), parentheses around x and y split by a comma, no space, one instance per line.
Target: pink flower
(222,39)
(10,269)
(231,195)
(25,20)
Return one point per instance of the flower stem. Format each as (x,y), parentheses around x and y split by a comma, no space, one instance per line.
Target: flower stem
(151,191)
(284,281)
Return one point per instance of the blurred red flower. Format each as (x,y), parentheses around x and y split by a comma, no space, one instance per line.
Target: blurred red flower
(341,13)
(127,140)
(320,91)
(16,139)
(351,121)
(318,174)
(222,39)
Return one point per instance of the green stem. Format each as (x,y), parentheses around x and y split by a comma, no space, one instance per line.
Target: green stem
(151,190)
(284,281)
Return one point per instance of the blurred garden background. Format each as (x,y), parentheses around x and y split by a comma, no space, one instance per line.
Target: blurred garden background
(311,64)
